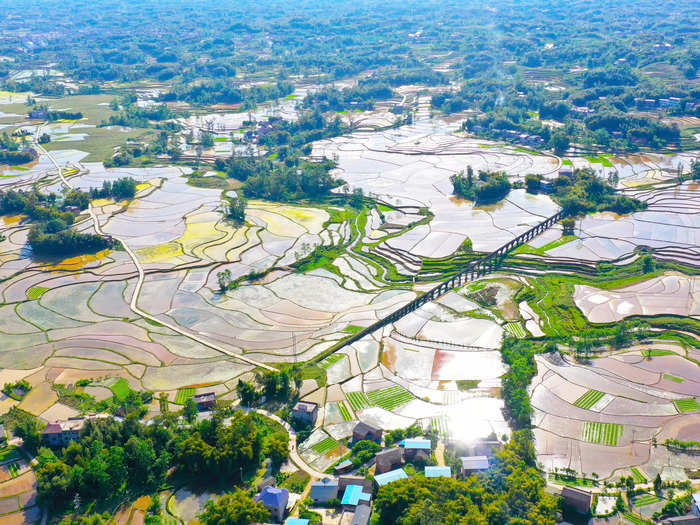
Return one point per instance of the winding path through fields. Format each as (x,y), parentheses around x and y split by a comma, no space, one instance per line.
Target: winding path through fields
(141,275)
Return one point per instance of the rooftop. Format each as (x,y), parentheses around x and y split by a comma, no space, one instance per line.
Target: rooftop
(394,475)
(354,494)
(438,472)
(475,463)
(296,521)
(416,444)
(305,406)
(273,497)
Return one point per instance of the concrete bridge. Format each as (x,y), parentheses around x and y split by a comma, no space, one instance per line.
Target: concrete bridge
(474,270)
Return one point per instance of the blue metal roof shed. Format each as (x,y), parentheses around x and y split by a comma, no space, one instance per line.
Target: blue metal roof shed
(394,475)
(416,444)
(354,494)
(438,472)
(296,521)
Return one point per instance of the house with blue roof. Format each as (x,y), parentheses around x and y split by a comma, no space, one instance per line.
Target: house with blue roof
(389,477)
(325,490)
(275,500)
(438,472)
(416,448)
(696,504)
(354,496)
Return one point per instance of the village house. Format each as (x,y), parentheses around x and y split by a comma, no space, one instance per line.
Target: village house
(305,411)
(325,490)
(275,500)
(577,499)
(205,401)
(472,464)
(363,431)
(388,459)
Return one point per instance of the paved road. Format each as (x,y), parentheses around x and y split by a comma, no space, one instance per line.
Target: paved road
(293,452)
(139,283)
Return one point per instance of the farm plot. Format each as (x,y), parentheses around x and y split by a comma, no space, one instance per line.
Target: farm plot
(516,330)
(645,499)
(120,389)
(390,398)
(344,412)
(13,468)
(638,476)
(440,425)
(358,400)
(687,405)
(8,454)
(589,399)
(601,433)
(183,394)
(325,446)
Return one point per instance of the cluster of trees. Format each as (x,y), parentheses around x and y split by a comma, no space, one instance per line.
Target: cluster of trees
(55,239)
(307,180)
(134,116)
(11,153)
(489,187)
(585,192)
(276,385)
(512,492)
(122,188)
(116,460)
(226,93)
(362,96)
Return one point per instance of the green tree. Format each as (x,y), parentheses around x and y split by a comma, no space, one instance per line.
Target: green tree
(237,508)
(658,484)
(648,264)
(28,429)
(190,410)
(559,142)
(224,279)
(277,448)
(246,392)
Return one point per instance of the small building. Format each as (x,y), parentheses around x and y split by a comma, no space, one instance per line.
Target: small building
(275,500)
(472,464)
(576,498)
(355,496)
(566,171)
(363,432)
(695,507)
(61,433)
(343,467)
(325,490)
(390,477)
(438,472)
(389,459)
(345,481)
(416,448)
(362,515)
(305,411)
(205,401)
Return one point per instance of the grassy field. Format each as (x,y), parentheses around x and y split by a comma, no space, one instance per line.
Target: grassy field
(183,394)
(526,248)
(589,399)
(390,398)
(352,329)
(120,389)
(600,160)
(168,519)
(638,476)
(604,433)
(645,499)
(325,446)
(673,378)
(347,416)
(687,405)
(35,292)
(331,359)
(515,329)
(358,400)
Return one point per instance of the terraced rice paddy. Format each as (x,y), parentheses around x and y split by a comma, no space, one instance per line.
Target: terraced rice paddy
(687,405)
(183,394)
(8,454)
(13,468)
(439,424)
(645,499)
(516,330)
(325,446)
(330,360)
(347,416)
(602,433)
(673,378)
(636,520)
(168,519)
(358,400)
(390,398)
(35,292)
(589,399)
(638,476)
